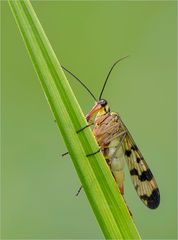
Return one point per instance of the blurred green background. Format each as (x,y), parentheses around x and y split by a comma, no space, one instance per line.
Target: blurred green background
(38,186)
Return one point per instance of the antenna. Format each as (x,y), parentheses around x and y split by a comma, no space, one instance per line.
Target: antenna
(88,90)
(102,90)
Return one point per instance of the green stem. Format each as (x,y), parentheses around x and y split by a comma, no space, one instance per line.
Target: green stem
(96,178)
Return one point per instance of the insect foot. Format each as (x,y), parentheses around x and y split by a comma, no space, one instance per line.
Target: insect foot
(88,155)
(65,154)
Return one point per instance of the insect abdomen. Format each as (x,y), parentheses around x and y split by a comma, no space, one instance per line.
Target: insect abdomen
(117,159)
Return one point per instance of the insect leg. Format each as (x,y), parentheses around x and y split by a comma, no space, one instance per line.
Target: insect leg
(65,154)
(90,154)
(78,132)
(79,190)
(88,125)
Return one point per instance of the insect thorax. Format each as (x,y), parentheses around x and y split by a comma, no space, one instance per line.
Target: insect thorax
(106,128)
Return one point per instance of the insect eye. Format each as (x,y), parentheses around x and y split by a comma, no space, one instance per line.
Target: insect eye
(103,102)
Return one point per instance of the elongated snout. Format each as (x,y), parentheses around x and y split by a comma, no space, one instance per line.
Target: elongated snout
(97,107)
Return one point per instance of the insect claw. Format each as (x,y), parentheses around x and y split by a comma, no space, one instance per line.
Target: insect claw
(88,155)
(65,154)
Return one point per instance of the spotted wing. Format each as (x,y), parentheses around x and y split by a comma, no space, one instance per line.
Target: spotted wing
(141,175)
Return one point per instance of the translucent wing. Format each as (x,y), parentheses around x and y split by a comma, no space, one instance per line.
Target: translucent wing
(141,175)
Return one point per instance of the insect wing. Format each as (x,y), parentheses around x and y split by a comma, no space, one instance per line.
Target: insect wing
(141,175)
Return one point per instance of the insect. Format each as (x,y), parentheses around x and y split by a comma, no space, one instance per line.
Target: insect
(117,146)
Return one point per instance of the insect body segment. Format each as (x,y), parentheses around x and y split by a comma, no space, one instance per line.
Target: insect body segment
(118,146)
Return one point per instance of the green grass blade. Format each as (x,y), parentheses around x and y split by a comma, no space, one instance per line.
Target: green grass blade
(97,181)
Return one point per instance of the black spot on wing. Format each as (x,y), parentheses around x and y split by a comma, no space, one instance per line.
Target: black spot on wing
(153,200)
(134,147)
(133,172)
(128,153)
(145,175)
